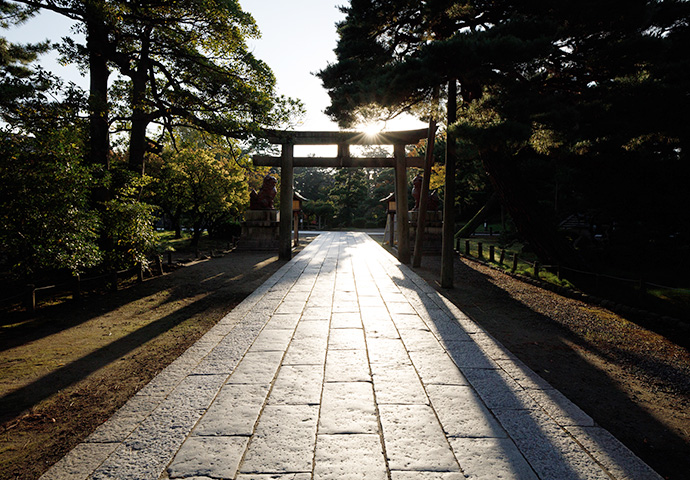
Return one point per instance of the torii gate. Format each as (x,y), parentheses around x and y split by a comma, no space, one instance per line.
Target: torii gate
(287,161)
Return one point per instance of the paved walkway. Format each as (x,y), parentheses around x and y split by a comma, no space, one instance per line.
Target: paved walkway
(347,365)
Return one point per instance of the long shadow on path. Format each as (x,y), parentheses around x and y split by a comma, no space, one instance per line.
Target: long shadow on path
(213,289)
(551,350)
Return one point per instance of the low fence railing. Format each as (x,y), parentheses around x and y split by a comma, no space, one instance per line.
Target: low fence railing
(560,271)
(29,295)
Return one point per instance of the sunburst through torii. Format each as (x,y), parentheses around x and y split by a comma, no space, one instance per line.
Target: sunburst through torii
(287,161)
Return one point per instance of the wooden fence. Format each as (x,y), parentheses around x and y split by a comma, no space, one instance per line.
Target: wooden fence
(30,295)
(592,278)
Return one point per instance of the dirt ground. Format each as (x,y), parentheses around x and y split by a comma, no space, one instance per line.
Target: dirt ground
(68,368)
(630,380)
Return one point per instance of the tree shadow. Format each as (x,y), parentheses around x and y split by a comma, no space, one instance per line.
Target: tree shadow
(219,294)
(551,350)
(52,319)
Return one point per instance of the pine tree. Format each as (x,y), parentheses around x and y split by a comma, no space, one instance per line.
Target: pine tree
(17,77)
(187,65)
(539,81)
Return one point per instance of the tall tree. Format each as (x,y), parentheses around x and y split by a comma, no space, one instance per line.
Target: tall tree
(536,79)
(348,194)
(46,224)
(199,183)
(17,78)
(187,64)
(314,183)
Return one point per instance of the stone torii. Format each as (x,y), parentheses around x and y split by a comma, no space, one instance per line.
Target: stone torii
(287,161)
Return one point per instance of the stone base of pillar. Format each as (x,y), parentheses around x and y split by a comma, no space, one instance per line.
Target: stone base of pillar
(260,230)
(433,231)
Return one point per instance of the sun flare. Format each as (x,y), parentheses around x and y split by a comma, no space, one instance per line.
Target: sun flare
(371,129)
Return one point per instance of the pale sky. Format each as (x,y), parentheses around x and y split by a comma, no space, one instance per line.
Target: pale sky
(298,38)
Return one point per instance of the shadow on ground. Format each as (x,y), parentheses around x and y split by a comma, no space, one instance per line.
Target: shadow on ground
(620,392)
(68,369)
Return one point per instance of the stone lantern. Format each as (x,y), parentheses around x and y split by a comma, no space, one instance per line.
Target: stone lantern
(389,203)
(297,200)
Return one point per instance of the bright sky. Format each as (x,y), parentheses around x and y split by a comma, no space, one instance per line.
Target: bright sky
(298,38)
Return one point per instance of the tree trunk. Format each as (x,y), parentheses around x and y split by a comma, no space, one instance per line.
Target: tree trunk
(175,217)
(403,225)
(424,195)
(447,255)
(140,118)
(478,219)
(196,234)
(98,153)
(99,140)
(547,243)
(176,223)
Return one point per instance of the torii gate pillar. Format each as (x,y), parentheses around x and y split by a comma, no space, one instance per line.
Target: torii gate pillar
(286,180)
(287,162)
(403,224)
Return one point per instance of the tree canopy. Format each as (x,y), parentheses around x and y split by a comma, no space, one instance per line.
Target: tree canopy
(179,63)
(71,198)
(578,89)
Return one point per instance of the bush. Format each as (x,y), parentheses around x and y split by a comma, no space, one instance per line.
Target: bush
(46,222)
(226,228)
(129,223)
(359,222)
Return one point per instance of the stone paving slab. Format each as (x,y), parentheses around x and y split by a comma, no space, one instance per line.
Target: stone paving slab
(244,401)
(348,408)
(349,457)
(414,440)
(284,440)
(347,365)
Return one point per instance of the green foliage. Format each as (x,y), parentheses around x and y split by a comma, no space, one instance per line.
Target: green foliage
(15,71)
(180,64)
(226,227)
(188,64)
(347,194)
(17,80)
(46,222)
(570,107)
(346,197)
(129,223)
(199,185)
(320,209)
(314,183)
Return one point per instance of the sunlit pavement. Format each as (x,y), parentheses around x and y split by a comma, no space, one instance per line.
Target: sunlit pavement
(346,364)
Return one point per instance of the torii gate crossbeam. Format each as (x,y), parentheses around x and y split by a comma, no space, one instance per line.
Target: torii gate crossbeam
(287,162)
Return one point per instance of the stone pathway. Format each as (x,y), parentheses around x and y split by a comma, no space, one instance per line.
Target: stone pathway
(347,365)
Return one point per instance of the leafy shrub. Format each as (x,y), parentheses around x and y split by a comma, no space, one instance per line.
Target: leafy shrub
(46,222)
(129,224)
(359,222)
(225,228)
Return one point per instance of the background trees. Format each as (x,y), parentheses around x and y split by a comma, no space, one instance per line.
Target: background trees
(560,104)
(199,185)
(178,63)
(45,221)
(345,197)
(73,198)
